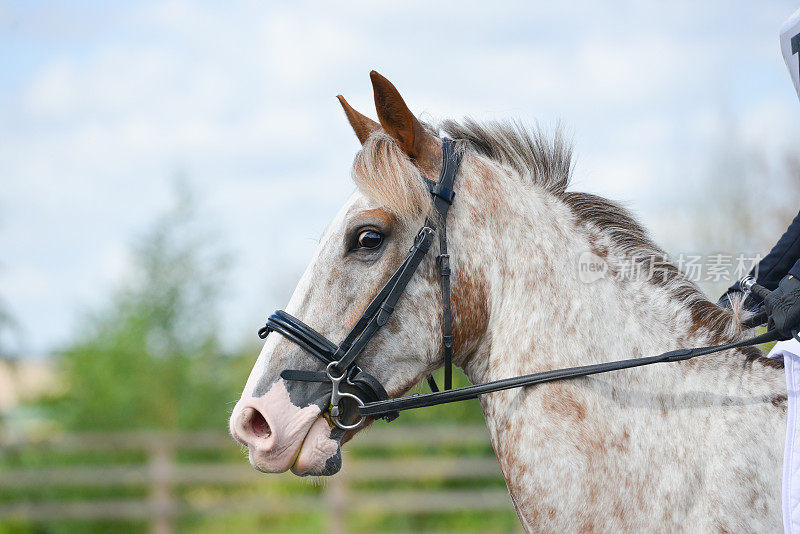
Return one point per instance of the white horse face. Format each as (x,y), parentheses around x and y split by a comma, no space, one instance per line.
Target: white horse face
(284,423)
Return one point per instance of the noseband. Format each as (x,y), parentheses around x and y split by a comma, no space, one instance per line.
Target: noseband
(340,361)
(371,398)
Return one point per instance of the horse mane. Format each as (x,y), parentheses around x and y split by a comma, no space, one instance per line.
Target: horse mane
(547,162)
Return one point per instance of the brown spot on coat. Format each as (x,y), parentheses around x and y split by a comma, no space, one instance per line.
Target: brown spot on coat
(754,354)
(561,403)
(470,311)
(386,218)
(779,401)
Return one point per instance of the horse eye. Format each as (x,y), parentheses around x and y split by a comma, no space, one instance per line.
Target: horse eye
(369,239)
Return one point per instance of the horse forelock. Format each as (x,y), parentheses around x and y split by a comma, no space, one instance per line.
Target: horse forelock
(382,172)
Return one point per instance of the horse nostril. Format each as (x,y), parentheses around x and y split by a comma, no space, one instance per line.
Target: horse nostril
(250,424)
(259,425)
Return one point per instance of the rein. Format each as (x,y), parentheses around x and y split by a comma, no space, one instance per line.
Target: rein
(379,408)
(371,398)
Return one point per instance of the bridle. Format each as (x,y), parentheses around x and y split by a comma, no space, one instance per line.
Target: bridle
(371,397)
(340,361)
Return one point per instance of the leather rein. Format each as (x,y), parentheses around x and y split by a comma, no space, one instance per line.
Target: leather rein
(370,397)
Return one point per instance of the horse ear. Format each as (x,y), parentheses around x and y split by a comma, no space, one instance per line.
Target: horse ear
(362,125)
(399,122)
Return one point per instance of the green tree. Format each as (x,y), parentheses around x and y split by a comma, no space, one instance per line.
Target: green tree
(151,357)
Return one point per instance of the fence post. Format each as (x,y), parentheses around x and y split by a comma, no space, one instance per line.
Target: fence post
(162,469)
(336,503)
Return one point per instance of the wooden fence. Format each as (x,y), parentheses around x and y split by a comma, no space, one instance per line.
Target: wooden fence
(429,453)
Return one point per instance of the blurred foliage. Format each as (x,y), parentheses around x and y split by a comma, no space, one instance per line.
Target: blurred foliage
(151,357)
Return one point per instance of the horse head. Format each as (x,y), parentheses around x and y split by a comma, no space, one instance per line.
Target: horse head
(286,424)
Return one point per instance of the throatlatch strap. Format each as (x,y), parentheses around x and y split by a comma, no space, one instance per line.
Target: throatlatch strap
(443,196)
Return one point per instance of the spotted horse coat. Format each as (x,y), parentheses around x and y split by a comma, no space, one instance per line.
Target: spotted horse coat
(689,446)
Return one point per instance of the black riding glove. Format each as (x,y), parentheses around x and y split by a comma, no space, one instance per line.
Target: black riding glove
(783,307)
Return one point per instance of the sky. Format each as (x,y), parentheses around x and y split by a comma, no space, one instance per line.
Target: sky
(103,104)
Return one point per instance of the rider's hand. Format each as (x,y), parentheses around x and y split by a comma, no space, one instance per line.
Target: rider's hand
(783,307)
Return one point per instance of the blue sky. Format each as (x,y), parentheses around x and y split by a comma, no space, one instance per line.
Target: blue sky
(103,103)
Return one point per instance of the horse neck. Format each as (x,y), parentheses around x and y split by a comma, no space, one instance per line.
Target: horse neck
(541,315)
(565,447)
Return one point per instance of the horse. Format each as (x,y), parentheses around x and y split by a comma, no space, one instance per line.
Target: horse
(693,445)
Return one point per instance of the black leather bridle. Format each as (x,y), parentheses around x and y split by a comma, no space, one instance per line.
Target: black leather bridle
(340,361)
(371,397)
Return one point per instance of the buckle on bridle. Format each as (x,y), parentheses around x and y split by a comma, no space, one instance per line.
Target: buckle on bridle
(423,233)
(337,396)
(443,261)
